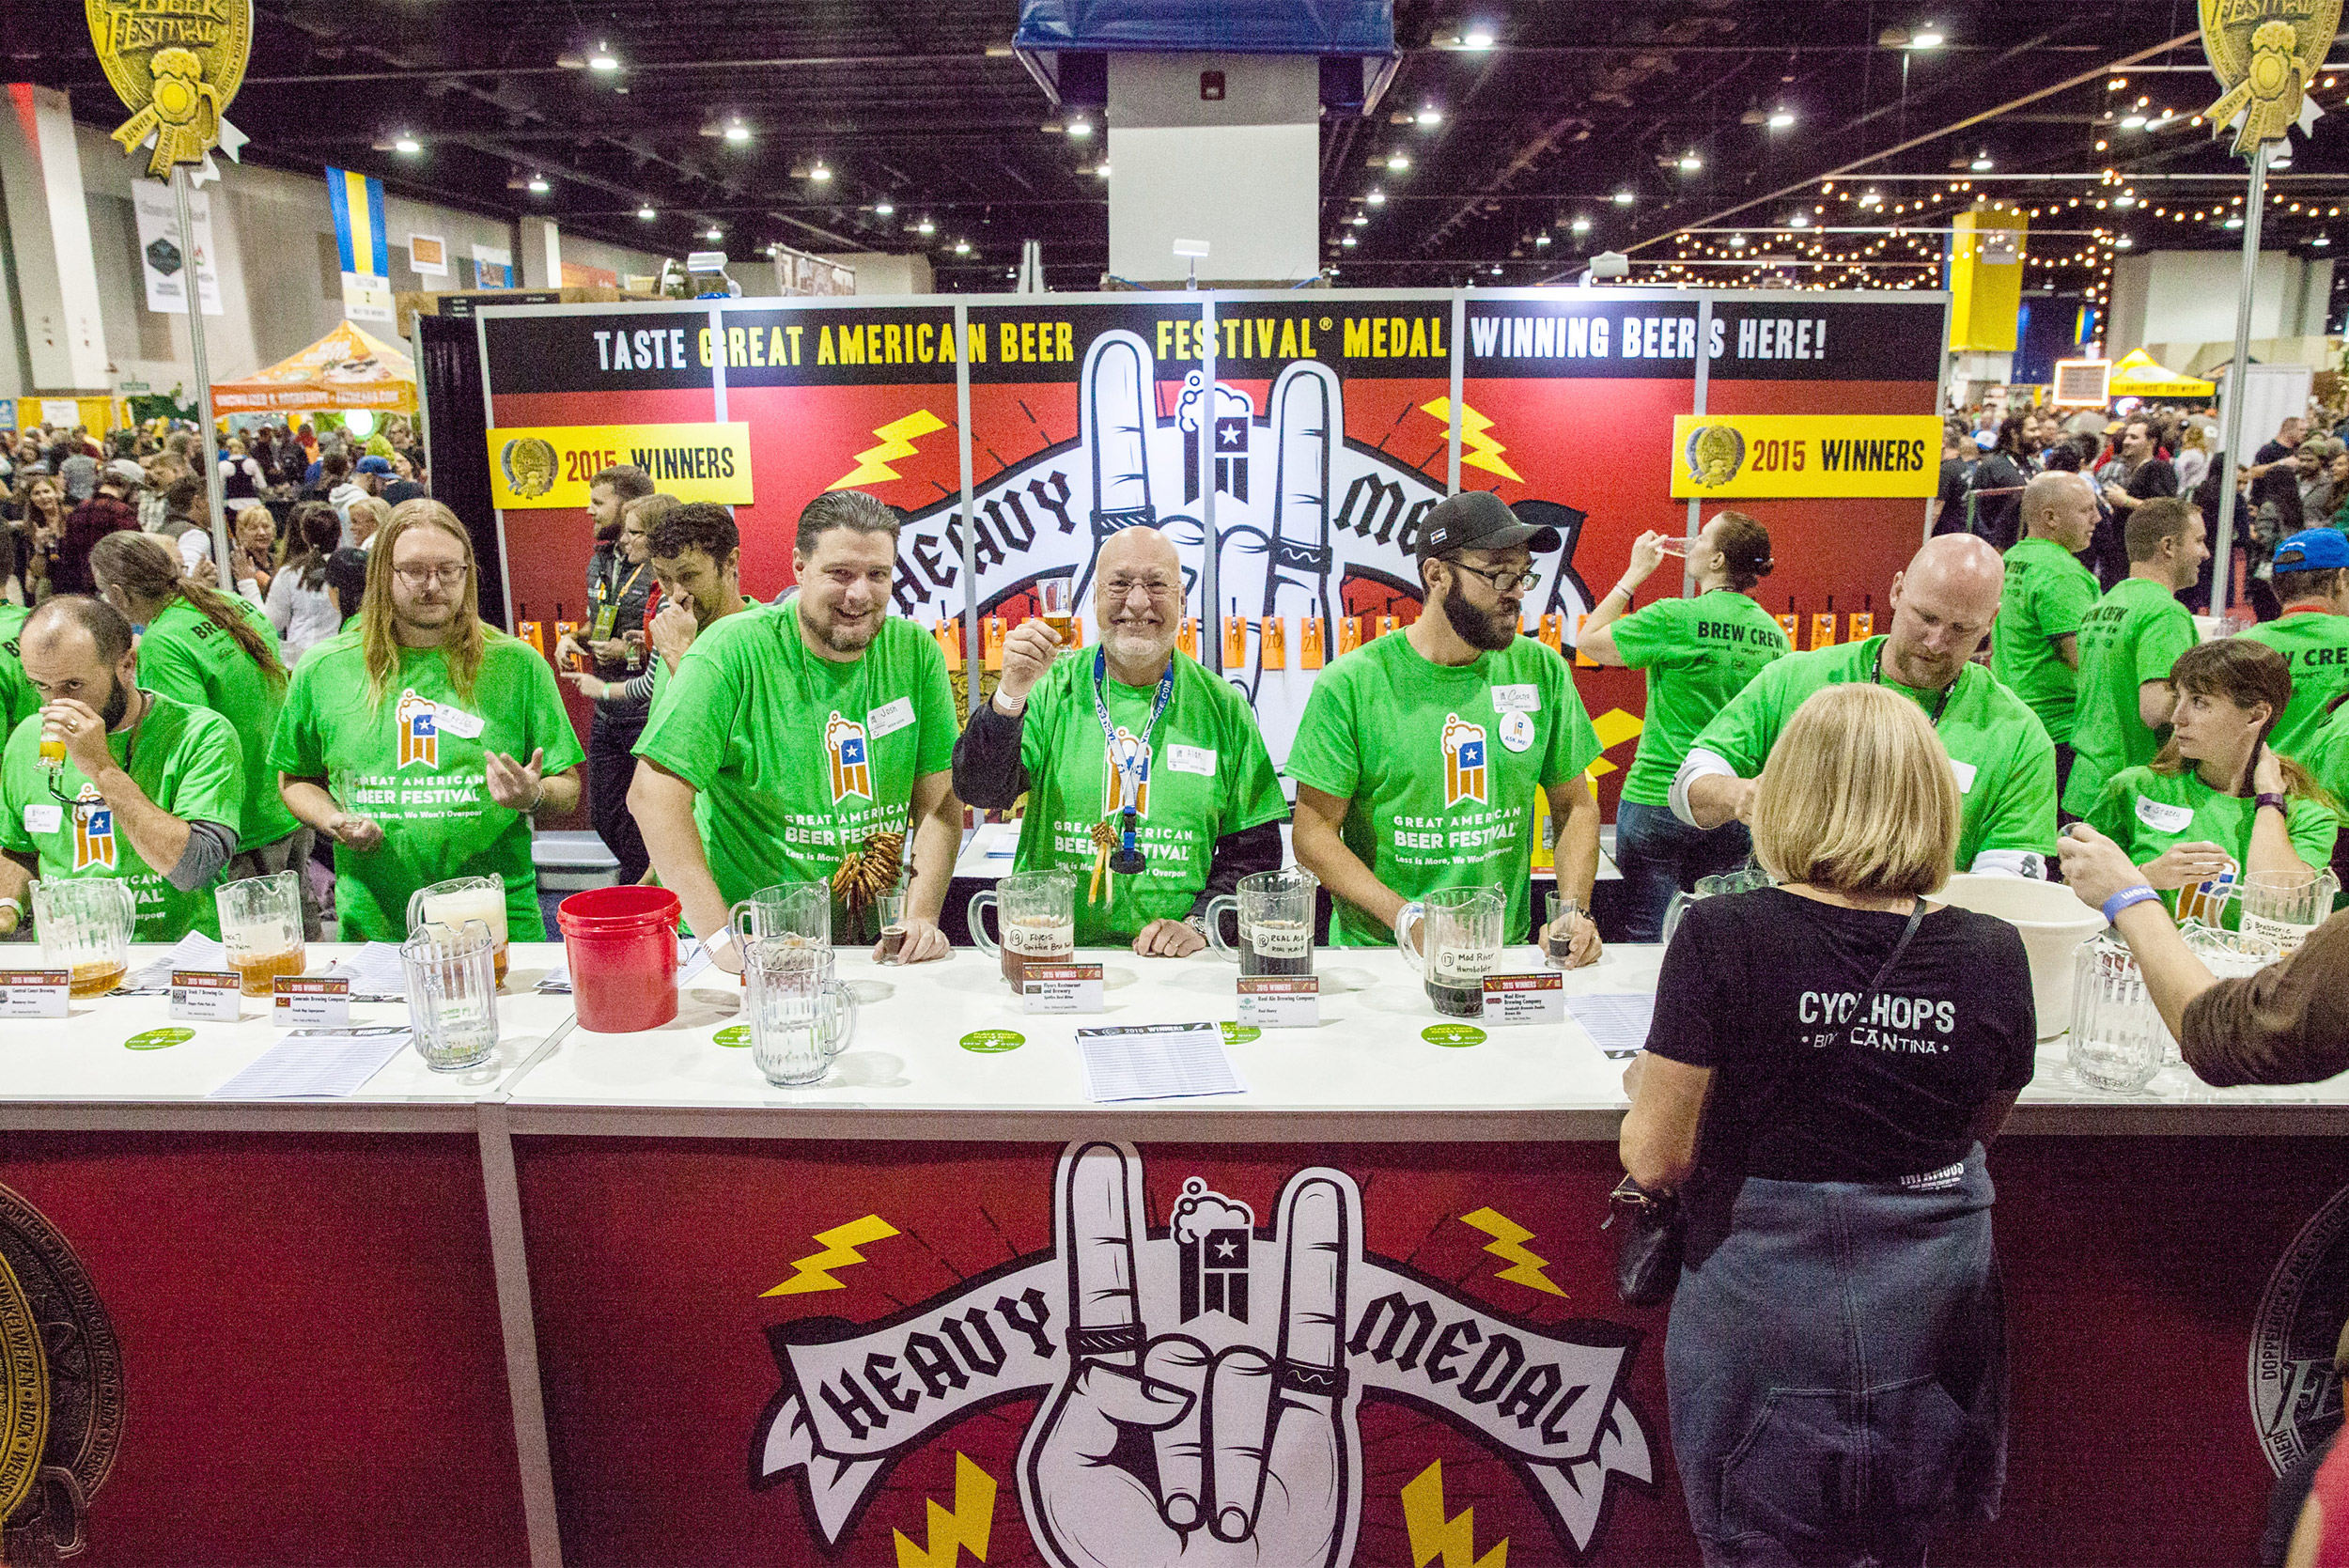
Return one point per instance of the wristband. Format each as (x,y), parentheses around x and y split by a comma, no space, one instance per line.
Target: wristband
(2126,897)
(2271,799)
(12,904)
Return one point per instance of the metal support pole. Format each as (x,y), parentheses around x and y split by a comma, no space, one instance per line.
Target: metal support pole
(224,557)
(2222,561)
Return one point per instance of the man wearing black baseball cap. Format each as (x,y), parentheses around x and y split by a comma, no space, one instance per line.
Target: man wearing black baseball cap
(1418,755)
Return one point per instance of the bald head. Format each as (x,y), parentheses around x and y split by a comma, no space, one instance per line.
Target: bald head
(1137,600)
(2061,506)
(1944,606)
(75,648)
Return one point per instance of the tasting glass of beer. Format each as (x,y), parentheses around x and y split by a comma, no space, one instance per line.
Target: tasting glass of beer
(459,899)
(1461,932)
(1563,911)
(260,926)
(1056,601)
(801,1014)
(452,993)
(1037,911)
(85,924)
(1276,922)
(890,910)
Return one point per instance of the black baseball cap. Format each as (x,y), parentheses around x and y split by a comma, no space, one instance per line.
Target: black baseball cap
(1479,519)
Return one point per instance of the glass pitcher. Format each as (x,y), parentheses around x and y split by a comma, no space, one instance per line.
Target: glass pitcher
(802,1016)
(260,926)
(1744,880)
(85,924)
(788,911)
(452,993)
(1275,910)
(2285,906)
(462,898)
(1460,943)
(1037,911)
(2118,1040)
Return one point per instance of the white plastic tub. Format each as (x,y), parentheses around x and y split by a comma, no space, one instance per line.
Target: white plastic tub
(2053,922)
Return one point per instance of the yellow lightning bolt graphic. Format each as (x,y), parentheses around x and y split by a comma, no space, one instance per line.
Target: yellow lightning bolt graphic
(1478,450)
(840,1246)
(970,1525)
(1614,727)
(1434,1536)
(896,440)
(1508,1241)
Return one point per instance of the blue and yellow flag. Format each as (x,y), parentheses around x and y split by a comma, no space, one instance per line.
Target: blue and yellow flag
(359,223)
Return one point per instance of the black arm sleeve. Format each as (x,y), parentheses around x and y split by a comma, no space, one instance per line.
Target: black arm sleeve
(1239,855)
(988,774)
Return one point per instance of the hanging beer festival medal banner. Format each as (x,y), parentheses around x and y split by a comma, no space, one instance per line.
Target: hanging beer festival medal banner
(176,67)
(2265,53)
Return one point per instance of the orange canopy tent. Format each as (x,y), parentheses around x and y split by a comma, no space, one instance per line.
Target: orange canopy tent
(345,369)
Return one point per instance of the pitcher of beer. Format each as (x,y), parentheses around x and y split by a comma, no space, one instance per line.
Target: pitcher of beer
(802,1016)
(1461,939)
(260,926)
(459,899)
(1276,922)
(85,924)
(1037,911)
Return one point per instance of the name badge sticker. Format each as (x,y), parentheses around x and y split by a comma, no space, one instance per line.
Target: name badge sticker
(889,718)
(316,1002)
(34,993)
(1539,996)
(457,721)
(206,996)
(44,817)
(1964,771)
(1517,699)
(1062,989)
(1280,1001)
(2163,817)
(1191,759)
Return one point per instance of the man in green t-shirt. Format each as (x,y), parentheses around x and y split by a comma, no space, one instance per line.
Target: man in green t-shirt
(18,700)
(212,651)
(800,736)
(1943,605)
(1417,757)
(404,737)
(2312,634)
(150,790)
(2128,641)
(1128,723)
(2034,650)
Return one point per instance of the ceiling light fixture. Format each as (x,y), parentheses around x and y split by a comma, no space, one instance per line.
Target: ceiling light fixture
(1580,226)
(1781,117)
(713,232)
(736,132)
(1476,37)
(1346,241)
(604,59)
(1360,220)
(1429,116)
(962,248)
(405,143)
(884,209)
(1398,160)
(820,174)
(2133,122)
(926,227)
(646,213)
(1691,162)
(2320,241)
(1926,36)
(1626,197)
(538,186)
(1376,199)
(1101,171)
(1080,129)
(1541,239)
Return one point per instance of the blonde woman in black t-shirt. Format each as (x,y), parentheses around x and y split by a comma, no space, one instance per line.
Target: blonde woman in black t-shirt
(1829,1057)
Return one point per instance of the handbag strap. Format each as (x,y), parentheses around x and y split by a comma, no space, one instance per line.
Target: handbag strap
(1916,918)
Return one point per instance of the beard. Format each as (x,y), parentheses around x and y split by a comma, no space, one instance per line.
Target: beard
(1479,628)
(118,704)
(851,637)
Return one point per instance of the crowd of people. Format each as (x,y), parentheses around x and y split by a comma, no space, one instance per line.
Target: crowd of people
(1831,1054)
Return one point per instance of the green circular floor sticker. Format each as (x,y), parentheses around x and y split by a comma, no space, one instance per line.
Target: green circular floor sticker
(158,1039)
(992,1040)
(734,1035)
(1240,1034)
(1453,1034)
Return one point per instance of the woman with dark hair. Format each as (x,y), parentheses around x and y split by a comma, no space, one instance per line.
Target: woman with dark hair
(1699,652)
(39,530)
(2218,797)
(298,606)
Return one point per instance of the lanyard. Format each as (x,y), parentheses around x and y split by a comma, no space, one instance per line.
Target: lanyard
(1875,677)
(1128,857)
(603,583)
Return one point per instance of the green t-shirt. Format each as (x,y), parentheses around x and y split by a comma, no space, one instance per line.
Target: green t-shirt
(2316,646)
(798,758)
(1209,776)
(2327,755)
(2048,593)
(182,757)
(414,764)
(2004,762)
(18,700)
(2147,812)
(2133,635)
(1440,763)
(183,655)
(1698,653)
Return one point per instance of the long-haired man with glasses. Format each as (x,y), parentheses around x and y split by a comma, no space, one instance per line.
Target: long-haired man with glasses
(422,741)
(1418,755)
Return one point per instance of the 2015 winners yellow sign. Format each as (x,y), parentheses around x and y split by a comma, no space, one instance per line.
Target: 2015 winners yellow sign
(551,466)
(1760,455)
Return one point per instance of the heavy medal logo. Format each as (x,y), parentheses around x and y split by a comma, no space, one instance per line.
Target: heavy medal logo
(1199,1385)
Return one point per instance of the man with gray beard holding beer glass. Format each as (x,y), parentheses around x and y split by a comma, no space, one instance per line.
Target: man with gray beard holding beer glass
(1146,778)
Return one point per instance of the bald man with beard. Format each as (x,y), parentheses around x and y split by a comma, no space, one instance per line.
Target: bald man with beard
(1944,605)
(1130,725)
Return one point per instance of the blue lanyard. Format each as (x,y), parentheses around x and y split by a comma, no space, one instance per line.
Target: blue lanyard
(1128,859)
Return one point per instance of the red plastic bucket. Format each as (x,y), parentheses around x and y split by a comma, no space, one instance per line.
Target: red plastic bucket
(621,944)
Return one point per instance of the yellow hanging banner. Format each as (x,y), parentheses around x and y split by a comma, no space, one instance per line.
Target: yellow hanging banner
(176,65)
(1879,455)
(552,465)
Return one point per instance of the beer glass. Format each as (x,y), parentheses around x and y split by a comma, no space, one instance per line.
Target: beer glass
(890,910)
(260,926)
(1276,922)
(788,911)
(2285,906)
(1056,601)
(1037,911)
(453,993)
(462,898)
(85,924)
(1461,934)
(1562,911)
(802,1016)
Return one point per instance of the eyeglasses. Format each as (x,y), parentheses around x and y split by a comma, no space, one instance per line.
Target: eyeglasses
(425,577)
(1121,588)
(1501,578)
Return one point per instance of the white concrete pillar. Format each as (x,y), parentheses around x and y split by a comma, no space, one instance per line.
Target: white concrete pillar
(1221,147)
(542,253)
(56,271)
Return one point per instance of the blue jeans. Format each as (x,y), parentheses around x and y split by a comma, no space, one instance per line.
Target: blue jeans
(1659,855)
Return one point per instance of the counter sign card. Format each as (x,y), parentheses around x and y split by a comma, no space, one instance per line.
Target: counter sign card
(1521,999)
(1280,1001)
(1062,989)
(34,993)
(313,1002)
(206,996)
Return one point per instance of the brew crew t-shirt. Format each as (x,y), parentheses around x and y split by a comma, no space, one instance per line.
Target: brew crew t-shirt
(1698,653)
(2133,634)
(415,765)
(183,758)
(2048,593)
(183,655)
(18,700)
(2147,813)
(2004,762)
(2316,646)
(1209,776)
(800,759)
(1440,763)
(1765,987)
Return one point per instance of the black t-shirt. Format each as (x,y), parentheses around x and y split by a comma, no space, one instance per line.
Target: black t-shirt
(1756,985)
(2274,452)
